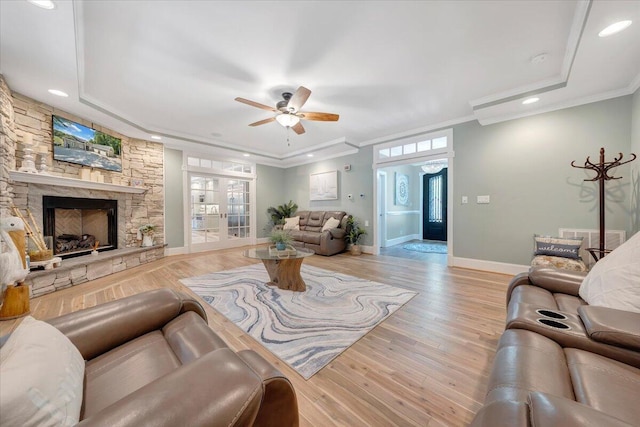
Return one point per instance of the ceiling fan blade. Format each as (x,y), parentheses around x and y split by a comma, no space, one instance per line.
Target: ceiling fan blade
(263,122)
(298,99)
(298,128)
(319,117)
(255,104)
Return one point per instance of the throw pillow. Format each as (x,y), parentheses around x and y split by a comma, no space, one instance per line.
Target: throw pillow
(292,223)
(331,224)
(614,281)
(42,375)
(558,246)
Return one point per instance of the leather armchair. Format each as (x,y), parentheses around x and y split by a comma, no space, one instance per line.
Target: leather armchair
(151,359)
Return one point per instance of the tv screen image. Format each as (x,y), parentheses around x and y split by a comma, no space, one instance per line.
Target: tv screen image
(76,143)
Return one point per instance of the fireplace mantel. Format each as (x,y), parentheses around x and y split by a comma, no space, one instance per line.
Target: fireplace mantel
(36,178)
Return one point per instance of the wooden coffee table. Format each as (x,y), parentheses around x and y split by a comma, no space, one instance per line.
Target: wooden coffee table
(283,267)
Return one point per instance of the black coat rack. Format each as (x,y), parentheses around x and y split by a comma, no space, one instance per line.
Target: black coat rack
(602,174)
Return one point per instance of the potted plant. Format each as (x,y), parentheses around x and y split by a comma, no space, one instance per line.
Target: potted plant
(278,214)
(281,238)
(354,233)
(147,231)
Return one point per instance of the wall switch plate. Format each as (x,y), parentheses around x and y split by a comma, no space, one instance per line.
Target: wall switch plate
(483,199)
(465,200)
(366,223)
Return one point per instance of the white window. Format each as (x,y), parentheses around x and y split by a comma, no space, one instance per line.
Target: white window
(414,146)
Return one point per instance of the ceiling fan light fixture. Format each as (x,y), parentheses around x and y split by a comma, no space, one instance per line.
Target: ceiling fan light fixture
(288,120)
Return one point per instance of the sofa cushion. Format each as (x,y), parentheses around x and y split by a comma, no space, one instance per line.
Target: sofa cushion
(304,217)
(311,237)
(125,369)
(614,281)
(292,223)
(190,337)
(553,411)
(534,295)
(557,246)
(330,224)
(604,384)
(41,376)
(315,221)
(524,362)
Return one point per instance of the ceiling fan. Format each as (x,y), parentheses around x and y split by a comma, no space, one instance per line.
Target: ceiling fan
(288,112)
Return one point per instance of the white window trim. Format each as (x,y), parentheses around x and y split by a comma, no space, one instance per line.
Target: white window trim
(401,142)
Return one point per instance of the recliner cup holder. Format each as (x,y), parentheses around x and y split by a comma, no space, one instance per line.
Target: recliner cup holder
(552,314)
(553,323)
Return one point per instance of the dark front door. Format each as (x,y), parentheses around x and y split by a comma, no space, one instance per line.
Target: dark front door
(434,206)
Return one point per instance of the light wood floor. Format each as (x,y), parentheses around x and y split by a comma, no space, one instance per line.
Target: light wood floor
(426,365)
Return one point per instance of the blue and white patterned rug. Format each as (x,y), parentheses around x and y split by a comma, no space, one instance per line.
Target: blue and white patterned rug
(304,329)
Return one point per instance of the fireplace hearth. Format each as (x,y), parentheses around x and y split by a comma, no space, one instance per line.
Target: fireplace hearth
(80,225)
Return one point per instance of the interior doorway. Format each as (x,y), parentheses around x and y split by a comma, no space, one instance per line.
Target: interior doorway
(434,205)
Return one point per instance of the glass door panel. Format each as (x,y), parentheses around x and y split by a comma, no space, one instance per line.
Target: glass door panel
(219,210)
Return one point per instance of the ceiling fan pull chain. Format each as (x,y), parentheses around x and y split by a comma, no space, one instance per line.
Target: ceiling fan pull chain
(288,144)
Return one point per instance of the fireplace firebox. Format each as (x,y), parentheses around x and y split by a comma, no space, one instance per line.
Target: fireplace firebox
(80,225)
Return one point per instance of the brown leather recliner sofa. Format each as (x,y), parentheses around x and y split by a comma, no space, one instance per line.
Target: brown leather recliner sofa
(560,361)
(151,359)
(311,236)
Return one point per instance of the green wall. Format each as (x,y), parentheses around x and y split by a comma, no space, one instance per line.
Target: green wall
(524,165)
(359,180)
(269,192)
(635,165)
(173,199)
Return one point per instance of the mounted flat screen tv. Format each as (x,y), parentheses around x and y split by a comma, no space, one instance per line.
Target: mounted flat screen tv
(76,143)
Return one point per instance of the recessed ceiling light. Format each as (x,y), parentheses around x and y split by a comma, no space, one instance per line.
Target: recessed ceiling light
(246,154)
(45,4)
(57,92)
(614,28)
(156,137)
(530,100)
(309,155)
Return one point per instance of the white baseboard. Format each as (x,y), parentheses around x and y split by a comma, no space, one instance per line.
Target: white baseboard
(367,249)
(493,266)
(261,240)
(176,251)
(403,239)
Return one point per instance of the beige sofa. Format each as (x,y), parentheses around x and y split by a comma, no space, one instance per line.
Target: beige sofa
(151,359)
(311,236)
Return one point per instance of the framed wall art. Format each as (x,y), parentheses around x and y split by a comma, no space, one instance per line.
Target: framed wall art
(323,186)
(402,189)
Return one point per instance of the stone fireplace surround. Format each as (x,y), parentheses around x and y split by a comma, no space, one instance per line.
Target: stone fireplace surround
(140,160)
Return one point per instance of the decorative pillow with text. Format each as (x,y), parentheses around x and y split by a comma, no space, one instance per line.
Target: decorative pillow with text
(558,246)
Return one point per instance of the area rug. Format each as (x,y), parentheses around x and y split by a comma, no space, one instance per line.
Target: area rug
(435,248)
(304,329)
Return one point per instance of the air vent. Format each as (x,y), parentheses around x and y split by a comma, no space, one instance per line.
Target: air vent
(591,239)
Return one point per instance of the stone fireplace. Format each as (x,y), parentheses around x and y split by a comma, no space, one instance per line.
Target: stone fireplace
(78,225)
(142,161)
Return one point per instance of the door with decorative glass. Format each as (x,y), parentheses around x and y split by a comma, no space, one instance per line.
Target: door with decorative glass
(220,210)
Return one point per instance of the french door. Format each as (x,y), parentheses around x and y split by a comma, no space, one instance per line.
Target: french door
(220,212)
